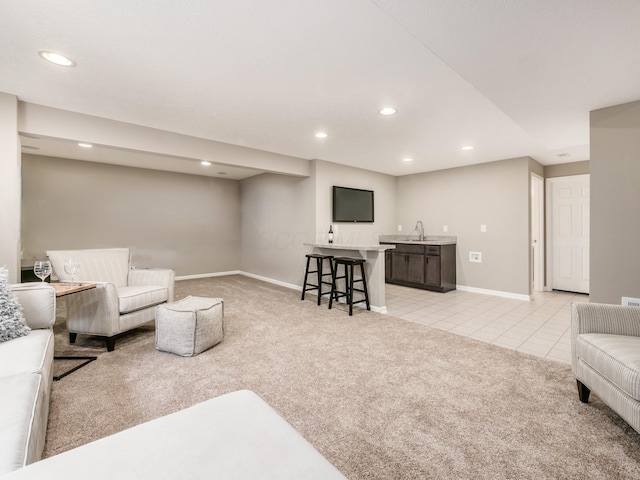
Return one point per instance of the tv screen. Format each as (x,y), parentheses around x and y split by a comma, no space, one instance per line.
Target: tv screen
(352,205)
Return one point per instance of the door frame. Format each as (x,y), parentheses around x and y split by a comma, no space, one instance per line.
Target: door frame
(538,215)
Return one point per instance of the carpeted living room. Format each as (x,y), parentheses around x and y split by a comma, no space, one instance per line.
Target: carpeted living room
(379,397)
(205,146)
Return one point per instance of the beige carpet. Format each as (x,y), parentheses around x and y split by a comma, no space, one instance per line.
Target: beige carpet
(380,397)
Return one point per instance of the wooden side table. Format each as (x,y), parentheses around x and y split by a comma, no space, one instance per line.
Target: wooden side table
(63,289)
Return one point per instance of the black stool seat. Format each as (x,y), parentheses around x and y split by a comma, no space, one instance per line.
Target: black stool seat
(348,266)
(306,286)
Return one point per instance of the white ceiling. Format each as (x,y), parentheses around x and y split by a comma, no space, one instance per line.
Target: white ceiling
(510,77)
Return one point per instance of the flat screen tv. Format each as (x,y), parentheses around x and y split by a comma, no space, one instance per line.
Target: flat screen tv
(352,205)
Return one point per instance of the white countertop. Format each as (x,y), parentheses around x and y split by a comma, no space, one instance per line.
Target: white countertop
(426,242)
(337,246)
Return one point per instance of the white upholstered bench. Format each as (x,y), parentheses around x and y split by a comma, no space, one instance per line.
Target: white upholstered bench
(234,436)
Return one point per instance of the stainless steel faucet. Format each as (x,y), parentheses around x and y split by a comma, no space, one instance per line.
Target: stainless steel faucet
(420,229)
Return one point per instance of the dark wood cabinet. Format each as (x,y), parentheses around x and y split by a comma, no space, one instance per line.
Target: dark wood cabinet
(433,278)
(431,267)
(407,263)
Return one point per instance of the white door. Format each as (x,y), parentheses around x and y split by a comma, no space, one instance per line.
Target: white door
(568,229)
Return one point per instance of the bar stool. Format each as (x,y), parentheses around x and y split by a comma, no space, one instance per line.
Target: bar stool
(349,290)
(320,275)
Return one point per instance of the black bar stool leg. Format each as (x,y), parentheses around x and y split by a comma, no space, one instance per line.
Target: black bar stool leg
(350,290)
(319,263)
(334,273)
(306,275)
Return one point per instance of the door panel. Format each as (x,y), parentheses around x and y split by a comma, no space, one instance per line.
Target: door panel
(415,268)
(433,271)
(569,232)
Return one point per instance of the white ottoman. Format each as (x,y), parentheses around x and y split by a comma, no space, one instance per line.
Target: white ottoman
(189,326)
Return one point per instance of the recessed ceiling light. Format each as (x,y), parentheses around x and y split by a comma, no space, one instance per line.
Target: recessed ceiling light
(85,145)
(407,159)
(57,58)
(467,147)
(205,163)
(321,135)
(388,111)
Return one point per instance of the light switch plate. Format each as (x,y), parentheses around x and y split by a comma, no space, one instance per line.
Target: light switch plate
(475,257)
(483,228)
(445,228)
(399,228)
(631,302)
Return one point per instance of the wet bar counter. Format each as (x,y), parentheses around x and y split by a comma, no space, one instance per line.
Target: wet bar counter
(375,257)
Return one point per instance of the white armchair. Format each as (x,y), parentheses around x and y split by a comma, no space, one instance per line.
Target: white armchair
(123,299)
(605,360)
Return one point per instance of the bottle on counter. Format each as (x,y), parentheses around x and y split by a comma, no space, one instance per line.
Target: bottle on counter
(330,233)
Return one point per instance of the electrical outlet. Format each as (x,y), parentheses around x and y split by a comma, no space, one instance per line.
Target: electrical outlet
(631,302)
(475,257)
(445,228)
(399,228)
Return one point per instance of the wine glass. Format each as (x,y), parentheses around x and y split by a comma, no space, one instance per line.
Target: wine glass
(42,269)
(72,267)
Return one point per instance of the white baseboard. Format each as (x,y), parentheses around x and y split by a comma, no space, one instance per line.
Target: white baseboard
(497,293)
(379,309)
(207,275)
(271,280)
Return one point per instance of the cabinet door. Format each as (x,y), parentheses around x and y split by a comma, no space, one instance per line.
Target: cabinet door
(399,266)
(432,277)
(407,267)
(415,268)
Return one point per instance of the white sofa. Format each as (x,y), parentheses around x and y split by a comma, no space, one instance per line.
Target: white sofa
(605,347)
(124,298)
(26,373)
(234,436)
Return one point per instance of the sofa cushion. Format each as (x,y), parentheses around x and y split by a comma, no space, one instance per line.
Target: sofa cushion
(615,357)
(18,412)
(30,354)
(234,436)
(137,297)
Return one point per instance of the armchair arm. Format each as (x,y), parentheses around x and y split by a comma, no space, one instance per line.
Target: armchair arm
(604,318)
(153,276)
(38,301)
(94,311)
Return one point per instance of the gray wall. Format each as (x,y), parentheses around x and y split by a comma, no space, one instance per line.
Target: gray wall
(615,198)
(277,217)
(185,222)
(280,213)
(9,187)
(494,194)
(326,175)
(566,169)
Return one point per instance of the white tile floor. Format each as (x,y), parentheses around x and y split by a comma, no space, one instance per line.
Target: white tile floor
(538,327)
